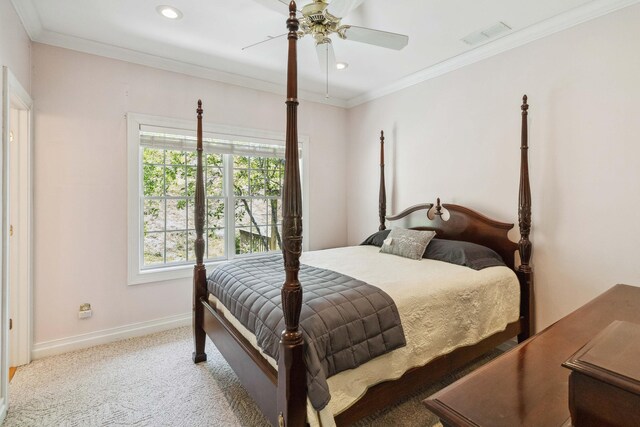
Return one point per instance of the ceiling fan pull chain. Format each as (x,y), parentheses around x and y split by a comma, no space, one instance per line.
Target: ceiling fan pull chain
(327,92)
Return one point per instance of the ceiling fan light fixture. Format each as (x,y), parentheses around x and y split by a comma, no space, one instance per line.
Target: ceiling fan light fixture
(341,65)
(169,12)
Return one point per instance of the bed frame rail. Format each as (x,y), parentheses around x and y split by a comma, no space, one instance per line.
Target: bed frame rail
(387,393)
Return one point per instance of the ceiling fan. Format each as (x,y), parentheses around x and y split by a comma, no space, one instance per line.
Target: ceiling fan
(321,19)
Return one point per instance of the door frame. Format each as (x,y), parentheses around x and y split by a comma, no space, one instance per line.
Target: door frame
(14,95)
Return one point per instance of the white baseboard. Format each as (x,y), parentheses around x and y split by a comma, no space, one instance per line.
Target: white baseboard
(105,336)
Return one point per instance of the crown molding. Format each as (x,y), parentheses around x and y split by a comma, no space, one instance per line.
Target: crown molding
(29,16)
(595,9)
(579,15)
(162,63)
(32,24)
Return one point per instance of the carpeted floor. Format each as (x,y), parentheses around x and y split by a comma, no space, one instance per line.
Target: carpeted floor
(151,381)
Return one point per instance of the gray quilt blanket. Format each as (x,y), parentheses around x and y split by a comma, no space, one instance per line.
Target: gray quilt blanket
(344,321)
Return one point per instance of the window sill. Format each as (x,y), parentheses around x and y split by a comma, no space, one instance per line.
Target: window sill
(163,274)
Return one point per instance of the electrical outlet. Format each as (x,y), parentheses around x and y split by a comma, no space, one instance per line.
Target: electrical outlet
(85,311)
(84,314)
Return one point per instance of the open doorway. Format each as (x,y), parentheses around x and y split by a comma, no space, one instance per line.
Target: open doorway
(16,249)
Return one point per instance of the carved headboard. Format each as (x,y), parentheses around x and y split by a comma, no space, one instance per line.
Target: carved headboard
(471,226)
(465,224)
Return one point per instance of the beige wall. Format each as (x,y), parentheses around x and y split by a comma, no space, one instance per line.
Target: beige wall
(81,180)
(457,137)
(15,46)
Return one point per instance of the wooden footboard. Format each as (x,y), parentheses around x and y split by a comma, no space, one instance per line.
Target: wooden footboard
(260,379)
(256,374)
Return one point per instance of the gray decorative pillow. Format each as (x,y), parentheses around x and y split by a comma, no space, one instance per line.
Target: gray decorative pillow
(377,238)
(463,253)
(407,243)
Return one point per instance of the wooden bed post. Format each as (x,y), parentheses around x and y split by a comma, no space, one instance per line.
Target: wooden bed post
(199,270)
(292,374)
(524,222)
(382,198)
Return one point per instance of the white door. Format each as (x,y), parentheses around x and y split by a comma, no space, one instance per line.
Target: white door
(14,230)
(19,265)
(16,249)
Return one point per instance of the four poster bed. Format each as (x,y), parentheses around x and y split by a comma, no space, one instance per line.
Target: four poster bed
(450,316)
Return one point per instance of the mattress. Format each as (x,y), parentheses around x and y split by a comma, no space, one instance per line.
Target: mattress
(442,307)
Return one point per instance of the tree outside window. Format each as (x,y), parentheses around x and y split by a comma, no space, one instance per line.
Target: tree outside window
(253,197)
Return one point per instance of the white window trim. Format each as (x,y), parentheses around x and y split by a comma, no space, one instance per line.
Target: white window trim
(134,120)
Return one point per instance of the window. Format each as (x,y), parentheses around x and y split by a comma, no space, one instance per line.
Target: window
(168,191)
(257,187)
(243,174)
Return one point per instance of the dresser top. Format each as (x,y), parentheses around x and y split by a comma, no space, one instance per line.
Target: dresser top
(612,356)
(527,386)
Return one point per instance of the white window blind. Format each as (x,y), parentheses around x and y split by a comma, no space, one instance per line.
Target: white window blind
(162,138)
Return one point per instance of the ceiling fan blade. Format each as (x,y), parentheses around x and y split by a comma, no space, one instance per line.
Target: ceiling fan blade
(341,8)
(376,37)
(264,41)
(326,56)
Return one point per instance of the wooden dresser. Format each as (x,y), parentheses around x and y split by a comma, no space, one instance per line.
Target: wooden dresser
(528,386)
(604,384)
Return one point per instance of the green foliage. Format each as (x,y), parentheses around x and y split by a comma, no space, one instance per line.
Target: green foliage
(214,181)
(257,185)
(153,215)
(152,156)
(259,179)
(175,157)
(215,213)
(213,160)
(153,180)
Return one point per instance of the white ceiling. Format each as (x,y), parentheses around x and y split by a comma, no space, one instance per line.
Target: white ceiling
(209,38)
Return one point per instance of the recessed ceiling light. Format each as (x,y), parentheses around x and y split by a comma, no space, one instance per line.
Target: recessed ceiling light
(341,65)
(169,12)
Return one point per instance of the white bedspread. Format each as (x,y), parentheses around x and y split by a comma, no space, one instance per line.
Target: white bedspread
(442,307)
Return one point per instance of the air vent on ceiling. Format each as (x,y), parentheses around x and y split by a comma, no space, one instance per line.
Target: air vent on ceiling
(485,35)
